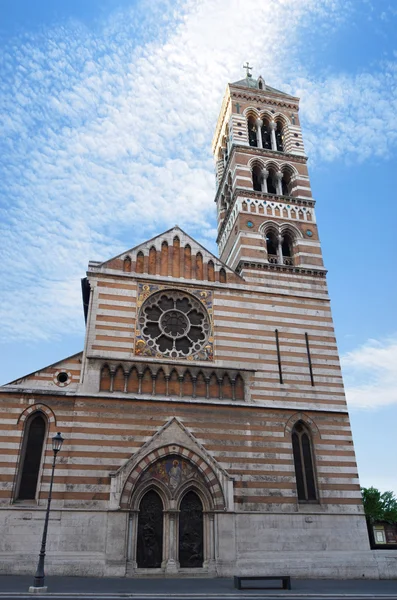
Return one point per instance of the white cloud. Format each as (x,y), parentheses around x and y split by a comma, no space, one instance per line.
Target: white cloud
(370,374)
(350,116)
(107,134)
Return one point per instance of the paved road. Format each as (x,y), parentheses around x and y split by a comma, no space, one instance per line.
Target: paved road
(90,588)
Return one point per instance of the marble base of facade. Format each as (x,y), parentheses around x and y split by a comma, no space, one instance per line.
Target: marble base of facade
(102,543)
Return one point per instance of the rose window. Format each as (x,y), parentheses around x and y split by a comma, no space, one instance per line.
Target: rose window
(174,324)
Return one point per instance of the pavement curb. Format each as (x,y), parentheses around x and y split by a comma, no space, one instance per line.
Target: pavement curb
(264,594)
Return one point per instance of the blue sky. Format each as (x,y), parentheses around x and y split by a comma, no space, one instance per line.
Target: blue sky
(108,110)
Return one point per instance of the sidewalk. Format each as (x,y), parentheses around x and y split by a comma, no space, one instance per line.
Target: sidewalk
(194,588)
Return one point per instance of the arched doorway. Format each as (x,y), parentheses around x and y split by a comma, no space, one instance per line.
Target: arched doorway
(191,537)
(150,531)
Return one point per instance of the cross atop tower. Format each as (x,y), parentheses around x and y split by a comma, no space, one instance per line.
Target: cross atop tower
(248,69)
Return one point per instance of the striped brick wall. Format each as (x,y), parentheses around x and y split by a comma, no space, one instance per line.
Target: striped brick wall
(252,444)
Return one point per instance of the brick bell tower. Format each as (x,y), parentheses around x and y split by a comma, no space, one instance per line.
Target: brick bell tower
(265,209)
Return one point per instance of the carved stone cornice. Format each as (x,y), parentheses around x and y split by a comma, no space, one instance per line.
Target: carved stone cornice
(276,198)
(285,268)
(238,192)
(258,97)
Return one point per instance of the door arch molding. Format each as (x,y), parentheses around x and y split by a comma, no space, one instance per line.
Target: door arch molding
(205,470)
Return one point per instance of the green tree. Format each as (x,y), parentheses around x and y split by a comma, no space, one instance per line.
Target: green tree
(379,507)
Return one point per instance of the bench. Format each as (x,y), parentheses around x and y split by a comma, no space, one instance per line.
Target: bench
(286,581)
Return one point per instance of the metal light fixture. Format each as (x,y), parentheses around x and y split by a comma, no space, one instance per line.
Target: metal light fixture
(57,442)
(39,578)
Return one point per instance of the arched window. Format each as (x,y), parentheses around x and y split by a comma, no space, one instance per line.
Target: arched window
(257,178)
(188,261)
(105,381)
(222,275)
(191,538)
(32,452)
(252,136)
(287,248)
(149,553)
(176,257)
(286,183)
(127,264)
(239,388)
(280,137)
(272,181)
(303,460)
(199,265)
(139,262)
(266,135)
(271,246)
(133,381)
(118,380)
(211,271)
(147,382)
(152,260)
(164,259)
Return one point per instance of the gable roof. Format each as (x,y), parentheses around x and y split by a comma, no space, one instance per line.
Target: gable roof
(251,83)
(46,376)
(168,236)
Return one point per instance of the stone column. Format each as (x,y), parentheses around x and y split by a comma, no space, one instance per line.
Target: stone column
(209,537)
(280,250)
(279,178)
(273,127)
(265,175)
(172,563)
(132,538)
(259,124)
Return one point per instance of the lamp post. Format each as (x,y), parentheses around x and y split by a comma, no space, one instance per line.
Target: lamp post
(38,583)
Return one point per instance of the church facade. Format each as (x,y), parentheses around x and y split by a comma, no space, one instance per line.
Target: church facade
(205,423)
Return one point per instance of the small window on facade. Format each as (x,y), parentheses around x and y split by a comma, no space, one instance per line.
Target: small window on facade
(303,460)
(32,451)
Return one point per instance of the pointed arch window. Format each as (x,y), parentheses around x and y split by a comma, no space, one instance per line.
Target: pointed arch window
(32,452)
(127,264)
(304,463)
(140,262)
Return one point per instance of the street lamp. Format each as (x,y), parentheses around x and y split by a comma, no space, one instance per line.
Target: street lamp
(38,583)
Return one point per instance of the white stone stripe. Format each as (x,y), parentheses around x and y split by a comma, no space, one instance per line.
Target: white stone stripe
(108,333)
(276,318)
(112,344)
(292,344)
(272,326)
